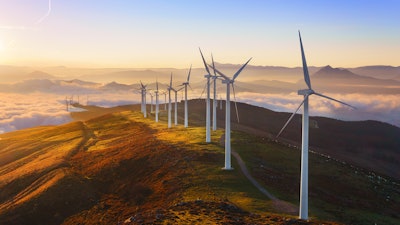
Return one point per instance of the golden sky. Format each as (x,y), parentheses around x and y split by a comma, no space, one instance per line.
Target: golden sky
(105,33)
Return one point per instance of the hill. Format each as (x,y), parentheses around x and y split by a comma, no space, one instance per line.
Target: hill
(355,142)
(115,167)
(335,80)
(380,72)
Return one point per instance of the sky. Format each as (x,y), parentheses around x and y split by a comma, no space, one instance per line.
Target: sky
(159,33)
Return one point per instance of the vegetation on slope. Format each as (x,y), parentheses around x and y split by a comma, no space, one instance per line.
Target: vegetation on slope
(122,167)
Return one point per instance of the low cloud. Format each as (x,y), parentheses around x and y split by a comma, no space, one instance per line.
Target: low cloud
(385,108)
(19,111)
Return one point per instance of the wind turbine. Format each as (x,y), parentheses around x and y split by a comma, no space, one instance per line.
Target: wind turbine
(157,107)
(208,76)
(229,82)
(214,125)
(143,93)
(66,103)
(169,102)
(151,105)
(186,105)
(303,212)
(176,104)
(165,100)
(220,102)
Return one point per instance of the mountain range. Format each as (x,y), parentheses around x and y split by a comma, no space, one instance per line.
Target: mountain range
(326,79)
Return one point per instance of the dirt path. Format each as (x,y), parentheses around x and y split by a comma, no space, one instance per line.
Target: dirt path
(250,178)
(279,205)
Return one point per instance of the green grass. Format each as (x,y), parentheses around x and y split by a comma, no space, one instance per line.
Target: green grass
(208,181)
(337,191)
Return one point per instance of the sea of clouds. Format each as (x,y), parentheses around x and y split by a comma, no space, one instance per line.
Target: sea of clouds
(19,111)
(384,108)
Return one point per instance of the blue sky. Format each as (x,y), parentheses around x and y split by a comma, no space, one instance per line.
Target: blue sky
(115,33)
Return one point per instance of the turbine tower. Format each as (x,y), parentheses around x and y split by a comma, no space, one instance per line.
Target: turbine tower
(208,76)
(303,212)
(186,105)
(229,82)
(157,106)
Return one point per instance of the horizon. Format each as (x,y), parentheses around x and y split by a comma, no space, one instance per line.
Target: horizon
(197,67)
(158,34)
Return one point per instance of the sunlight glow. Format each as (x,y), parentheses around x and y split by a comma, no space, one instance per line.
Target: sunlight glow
(2,46)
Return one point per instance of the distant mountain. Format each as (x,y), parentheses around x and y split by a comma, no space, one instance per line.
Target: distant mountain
(80,82)
(9,74)
(39,75)
(125,76)
(380,72)
(117,87)
(265,86)
(62,86)
(343,80)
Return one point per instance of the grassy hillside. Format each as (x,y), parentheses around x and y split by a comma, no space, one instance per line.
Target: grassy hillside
(355,142)
(122,167)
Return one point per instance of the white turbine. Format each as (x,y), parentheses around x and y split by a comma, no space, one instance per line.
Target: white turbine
(151,103)
(229,82)
(165,100)
(303,212)
(66,103)
(186,84)
(176,104)
(215,104)
(169,102)
(208,76)
(143,93)
(157,107)
(220,102)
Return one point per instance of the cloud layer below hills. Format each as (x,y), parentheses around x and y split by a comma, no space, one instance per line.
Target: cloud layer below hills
(19,111)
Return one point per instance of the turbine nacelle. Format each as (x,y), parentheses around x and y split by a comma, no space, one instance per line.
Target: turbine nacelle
(305,92)
(227,81)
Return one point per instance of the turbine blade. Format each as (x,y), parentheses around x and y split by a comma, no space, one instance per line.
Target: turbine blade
(190,87)
(234,97)
(305,68)
(220,73)
(213,65)
(170,82)
(324,96)
(290,118)
(204,61)
(157,85)
(204,89)
(189,73)
(240,70)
